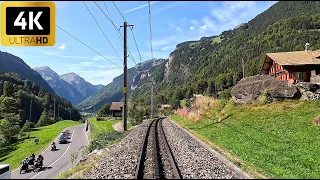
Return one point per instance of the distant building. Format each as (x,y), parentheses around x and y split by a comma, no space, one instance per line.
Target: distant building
(294,67)
(116,109)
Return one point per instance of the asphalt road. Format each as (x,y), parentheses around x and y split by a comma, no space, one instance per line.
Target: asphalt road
(56,162)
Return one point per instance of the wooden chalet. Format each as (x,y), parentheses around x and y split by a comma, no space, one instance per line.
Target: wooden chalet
(294,67)
(116,109)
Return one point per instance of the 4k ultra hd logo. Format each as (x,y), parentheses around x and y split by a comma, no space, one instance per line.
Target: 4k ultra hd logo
(28,24)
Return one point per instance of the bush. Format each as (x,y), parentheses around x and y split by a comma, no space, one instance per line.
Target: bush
(27,125)
(103,139)
(225,94)
(44,120)
(136,115)
(268,96)
(100,118)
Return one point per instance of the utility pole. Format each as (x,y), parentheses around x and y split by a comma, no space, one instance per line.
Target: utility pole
(70,114)
(151,99)
(54,110)
(242,68)
(30,117)
(58,110)
(125,106)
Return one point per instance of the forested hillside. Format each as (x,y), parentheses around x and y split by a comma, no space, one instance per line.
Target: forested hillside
(114,90)
(213,65)
(16,96)
(12,63)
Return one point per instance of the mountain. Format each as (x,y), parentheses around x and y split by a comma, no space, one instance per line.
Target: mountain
(61,87)
(114,90)
(16,94)
(213,64)
(84,87)
(12,63)
(99,87)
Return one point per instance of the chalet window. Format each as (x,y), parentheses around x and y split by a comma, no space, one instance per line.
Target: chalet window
(298,75)
(290,75)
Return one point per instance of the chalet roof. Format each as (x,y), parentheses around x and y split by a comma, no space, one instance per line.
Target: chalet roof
(116,106)
(296,57)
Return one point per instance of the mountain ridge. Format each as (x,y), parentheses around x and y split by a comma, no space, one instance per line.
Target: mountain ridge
(67,85)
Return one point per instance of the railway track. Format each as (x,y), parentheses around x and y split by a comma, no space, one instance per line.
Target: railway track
(156,160)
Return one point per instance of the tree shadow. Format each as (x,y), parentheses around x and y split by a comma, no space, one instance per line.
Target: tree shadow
(4,158)
(6,151)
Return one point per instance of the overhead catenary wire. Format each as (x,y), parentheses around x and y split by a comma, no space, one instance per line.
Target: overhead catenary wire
(130,29)
(112,22)
(101,30)
(131,57)
(87,46)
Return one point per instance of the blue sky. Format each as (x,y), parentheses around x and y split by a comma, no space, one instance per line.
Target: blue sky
(173,22)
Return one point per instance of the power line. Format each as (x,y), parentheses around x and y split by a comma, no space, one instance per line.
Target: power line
(87,46)
(130,29)
(112,22)
(116,29)
(101,30)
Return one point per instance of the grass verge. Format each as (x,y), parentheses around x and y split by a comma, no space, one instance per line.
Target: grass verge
(101,126)
(278,140)
(15,153)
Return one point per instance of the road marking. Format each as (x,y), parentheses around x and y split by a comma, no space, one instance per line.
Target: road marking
(59,157)
(40,152)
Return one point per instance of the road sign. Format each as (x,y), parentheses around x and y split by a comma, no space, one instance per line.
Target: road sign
(36,140)
(28,23)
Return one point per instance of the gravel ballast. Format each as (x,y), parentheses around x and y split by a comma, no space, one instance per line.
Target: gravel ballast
(194,160)
(121,159)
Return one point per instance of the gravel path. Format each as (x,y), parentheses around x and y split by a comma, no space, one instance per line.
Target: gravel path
(193,160)
(121,160)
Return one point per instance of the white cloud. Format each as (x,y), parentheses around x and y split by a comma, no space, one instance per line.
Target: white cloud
(232,10)
(203,27)
(208,25)
(86,63)
(139,7)
(98,58)
(179,29)
(194,22)
(63,46)
(153,12)
(191,28)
